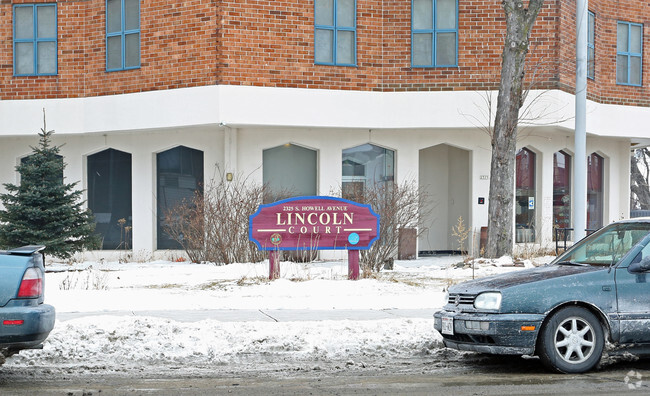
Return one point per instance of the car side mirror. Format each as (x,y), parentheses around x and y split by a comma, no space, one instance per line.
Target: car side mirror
(645,263)
(642,266)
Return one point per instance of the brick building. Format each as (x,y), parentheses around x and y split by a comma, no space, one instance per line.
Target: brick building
(152,98)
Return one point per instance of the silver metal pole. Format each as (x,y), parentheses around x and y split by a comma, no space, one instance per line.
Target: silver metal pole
(580,167)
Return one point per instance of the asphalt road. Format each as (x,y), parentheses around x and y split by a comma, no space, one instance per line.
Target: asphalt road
(469,375)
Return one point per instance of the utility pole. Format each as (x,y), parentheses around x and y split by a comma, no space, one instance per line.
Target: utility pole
(580,167)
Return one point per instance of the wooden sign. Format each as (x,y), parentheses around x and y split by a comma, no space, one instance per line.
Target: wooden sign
(314,223)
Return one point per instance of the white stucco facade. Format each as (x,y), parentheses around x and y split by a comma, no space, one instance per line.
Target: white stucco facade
(437,138)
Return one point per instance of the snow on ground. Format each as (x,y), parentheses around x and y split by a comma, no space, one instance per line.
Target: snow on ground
(106,337)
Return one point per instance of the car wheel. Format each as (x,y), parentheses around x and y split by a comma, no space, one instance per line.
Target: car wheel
(572,341)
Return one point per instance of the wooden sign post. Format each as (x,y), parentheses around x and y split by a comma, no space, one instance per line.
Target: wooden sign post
(314,223)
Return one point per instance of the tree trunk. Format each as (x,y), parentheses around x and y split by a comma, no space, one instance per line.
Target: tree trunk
(519,23)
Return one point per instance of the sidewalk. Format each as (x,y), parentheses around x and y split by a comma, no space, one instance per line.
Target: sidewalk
(266,315)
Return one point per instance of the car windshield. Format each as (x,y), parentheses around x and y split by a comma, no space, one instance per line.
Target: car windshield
(607,246)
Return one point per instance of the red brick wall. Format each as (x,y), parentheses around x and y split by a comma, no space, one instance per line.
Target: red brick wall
(178,49)
(270,43)
(603,87)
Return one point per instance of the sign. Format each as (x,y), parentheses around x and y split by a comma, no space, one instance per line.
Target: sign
(531,203)
(314,223)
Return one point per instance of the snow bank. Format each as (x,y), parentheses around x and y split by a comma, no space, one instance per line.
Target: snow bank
(118,342)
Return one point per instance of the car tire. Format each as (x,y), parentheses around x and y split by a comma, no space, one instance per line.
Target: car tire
(571,341)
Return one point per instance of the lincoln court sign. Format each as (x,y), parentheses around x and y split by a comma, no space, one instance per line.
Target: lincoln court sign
(314,223)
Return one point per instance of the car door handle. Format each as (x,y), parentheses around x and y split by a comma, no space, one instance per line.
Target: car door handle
(607,288)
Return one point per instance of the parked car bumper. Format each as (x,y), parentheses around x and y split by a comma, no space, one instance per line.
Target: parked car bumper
(24,327)
(504,334)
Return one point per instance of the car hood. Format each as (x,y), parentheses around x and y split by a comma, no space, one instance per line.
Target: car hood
(503,281)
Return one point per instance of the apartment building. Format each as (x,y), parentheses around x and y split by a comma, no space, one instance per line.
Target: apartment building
(152,100)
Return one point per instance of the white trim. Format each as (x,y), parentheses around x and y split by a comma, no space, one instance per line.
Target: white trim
(304,108)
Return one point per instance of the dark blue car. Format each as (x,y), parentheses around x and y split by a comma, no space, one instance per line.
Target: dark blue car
(565,312)
(25,321)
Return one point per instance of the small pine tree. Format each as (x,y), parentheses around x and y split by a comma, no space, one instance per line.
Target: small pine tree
(43,210)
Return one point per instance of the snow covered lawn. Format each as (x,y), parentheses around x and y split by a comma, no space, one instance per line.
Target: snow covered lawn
(95,331)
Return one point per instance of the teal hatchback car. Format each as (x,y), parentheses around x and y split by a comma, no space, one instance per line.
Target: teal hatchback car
(597,292)
(25,321)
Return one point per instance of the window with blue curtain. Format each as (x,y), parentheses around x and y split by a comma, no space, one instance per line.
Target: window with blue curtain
(591,47)
(35,40)
(629,39)
(434,33)
(335,32)
(122,34)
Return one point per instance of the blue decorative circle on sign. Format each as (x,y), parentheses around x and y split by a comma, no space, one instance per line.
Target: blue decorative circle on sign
(353,238)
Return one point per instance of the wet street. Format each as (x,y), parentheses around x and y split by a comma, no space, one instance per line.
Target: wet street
(468,374)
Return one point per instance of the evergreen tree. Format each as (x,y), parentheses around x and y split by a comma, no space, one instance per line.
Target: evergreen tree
(43,210)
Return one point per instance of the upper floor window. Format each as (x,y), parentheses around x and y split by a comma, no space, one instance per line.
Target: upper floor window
(122,34)
(434,33)
(335,32)
(35,40)
(629,40)
(591,47)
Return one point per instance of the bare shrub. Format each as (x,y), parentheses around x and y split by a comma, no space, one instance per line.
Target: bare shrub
(86,280)
(461,232)
(399,207)
(213,226)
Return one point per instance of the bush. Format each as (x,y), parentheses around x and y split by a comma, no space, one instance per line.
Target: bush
(213,226)
(399,207)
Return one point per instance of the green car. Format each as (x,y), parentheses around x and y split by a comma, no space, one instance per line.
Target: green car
(565,312)
(25,321)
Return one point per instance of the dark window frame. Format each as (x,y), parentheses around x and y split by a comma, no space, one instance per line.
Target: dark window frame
(562,191)
(595,191)
(525,184)
(108,166)
(176,169)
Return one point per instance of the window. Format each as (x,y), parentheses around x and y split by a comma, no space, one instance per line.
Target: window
(288,171)
(628,53)
(335,32)
(434,33)
(180,176)
(525,196)
(595,196)
(35,40)
(561,190)
(122,34)
(109,197)
(366,166)
(591,48)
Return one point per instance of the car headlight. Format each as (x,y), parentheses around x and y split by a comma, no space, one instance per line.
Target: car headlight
(489,300)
